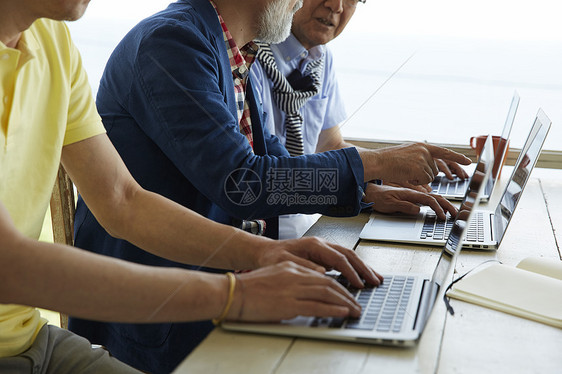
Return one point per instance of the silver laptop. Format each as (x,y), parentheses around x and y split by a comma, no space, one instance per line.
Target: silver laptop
(487,228)
(454,189)
(494,222)
(395,313)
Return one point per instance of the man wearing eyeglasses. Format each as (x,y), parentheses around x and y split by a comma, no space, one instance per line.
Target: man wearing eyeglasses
(296,81)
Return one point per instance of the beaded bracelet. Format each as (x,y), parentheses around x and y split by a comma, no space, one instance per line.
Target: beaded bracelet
(231,287)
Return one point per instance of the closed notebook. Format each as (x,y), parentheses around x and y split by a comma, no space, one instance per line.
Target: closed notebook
(532,289)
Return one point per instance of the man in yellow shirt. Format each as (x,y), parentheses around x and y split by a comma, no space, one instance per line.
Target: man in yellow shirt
(47,115)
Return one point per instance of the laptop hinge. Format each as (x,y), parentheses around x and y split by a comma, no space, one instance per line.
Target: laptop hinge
(425,305)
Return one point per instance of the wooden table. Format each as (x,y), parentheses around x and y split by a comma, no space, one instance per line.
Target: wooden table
(474,340)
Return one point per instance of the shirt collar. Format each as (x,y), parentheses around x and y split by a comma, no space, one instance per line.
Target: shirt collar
(292,49)
(28,45)
(26,49)
(241,59)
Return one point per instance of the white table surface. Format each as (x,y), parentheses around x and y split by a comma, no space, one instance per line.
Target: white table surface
(474,340)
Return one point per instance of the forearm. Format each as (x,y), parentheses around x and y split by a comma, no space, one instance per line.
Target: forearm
(90,286)
(169,230)
(332,139)
(333,146)
(148,220)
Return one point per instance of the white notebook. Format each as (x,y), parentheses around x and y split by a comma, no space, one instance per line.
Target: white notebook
(532,289)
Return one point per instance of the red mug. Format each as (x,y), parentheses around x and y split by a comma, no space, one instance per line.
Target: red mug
(477,143)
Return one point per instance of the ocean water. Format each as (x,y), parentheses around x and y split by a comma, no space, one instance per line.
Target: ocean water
(437,70)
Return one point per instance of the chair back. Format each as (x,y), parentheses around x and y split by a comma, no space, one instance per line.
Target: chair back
(63,207)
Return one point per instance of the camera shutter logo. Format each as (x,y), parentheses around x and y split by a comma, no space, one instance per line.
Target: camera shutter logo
(243,186)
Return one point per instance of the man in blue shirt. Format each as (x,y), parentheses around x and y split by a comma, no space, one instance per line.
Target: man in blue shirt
(177,104)
(315,24)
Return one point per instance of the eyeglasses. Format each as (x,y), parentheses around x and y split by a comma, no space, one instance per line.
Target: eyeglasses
(353,3)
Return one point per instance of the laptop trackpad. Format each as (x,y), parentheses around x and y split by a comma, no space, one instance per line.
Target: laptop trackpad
(402,221)
(390,226)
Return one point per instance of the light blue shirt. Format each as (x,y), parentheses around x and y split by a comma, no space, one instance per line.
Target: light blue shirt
(321,112)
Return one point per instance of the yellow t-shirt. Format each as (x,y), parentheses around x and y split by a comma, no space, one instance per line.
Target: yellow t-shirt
(45,103)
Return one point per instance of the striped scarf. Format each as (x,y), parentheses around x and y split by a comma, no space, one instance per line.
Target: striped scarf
(290,99)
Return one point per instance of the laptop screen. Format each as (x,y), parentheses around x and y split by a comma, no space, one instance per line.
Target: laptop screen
(475,186)
(502,146)
(454,242)
(521,172)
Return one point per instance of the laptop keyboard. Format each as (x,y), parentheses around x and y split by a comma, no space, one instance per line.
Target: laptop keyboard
(444,186)
(383,307)
(436,228)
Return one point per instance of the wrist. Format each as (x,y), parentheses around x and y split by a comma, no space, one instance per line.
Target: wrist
(259,247)
(236,311)
(370,191)
(245,251)
(228,299)
(370,164)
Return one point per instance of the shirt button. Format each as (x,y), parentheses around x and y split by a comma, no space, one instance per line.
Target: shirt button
(5,56)
(6,99)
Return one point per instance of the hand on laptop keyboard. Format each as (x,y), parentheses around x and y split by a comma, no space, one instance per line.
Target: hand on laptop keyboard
(287,290)
(451,169)
(382,308)
(413,162)
(388,199)
(318,254)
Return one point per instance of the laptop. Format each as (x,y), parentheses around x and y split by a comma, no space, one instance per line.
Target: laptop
(487,228)
(454,189)
(395,313)
(495,222)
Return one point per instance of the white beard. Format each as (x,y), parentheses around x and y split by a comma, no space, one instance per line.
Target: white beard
(274,25)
